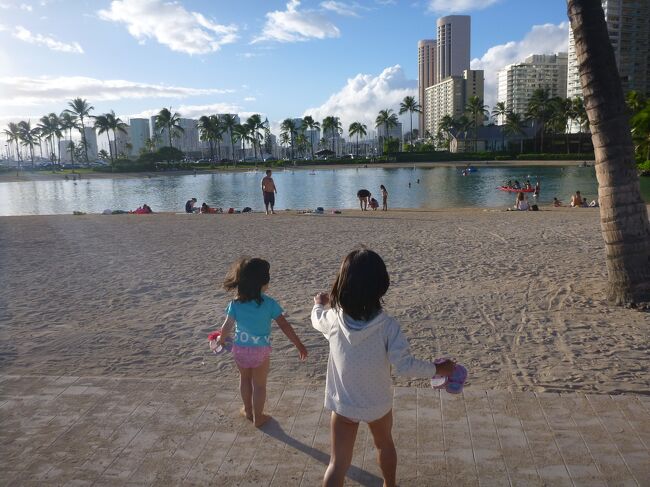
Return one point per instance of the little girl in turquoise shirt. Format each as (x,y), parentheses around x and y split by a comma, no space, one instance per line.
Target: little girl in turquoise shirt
(250,315)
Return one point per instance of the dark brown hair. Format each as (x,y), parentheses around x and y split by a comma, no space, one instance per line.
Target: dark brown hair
(360,284)
(248,276)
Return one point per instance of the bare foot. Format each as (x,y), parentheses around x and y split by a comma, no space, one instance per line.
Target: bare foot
(244,414)
(263,419)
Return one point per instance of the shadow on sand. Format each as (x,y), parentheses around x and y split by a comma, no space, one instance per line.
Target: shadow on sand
(274,430)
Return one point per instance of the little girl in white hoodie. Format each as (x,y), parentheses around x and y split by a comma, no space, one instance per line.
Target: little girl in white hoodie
(364,342)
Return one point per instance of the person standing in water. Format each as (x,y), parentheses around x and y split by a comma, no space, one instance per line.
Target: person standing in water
(268,191)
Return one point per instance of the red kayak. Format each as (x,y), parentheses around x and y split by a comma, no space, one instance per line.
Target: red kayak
(515,190)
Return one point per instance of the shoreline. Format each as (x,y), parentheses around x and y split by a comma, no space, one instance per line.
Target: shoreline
(28,176)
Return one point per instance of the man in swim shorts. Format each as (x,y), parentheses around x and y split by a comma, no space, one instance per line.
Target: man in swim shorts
(364,198)
(268,191)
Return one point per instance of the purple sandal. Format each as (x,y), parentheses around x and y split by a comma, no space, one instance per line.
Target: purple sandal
(452,384)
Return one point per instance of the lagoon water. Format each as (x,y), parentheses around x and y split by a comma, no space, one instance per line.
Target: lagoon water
(440,187)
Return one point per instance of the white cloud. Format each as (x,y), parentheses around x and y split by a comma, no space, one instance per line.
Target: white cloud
(24,91)
(364,95)
(541,39)
(293,25)
(340,8)
(457,6)
(171,25)
(25,35)
(192,111)
(250,98)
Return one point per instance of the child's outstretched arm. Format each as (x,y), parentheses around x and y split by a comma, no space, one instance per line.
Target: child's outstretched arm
(318,314)
(288,330)
(226,329)
(399,354)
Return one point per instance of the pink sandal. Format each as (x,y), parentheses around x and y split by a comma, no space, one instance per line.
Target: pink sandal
(215,347)
(452,384)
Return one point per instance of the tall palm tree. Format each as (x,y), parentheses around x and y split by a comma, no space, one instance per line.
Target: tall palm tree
(446,125)
(515,126)
(289,127)
(206,132)
(103,126)
(500,112)
(116,125)
(538,111)
(28,136)
(358,129)
(81,108)
(312,125)
(409,104)
(50,129)
(477,111)
(580,116)
(229,123)
(257,126)
(166,120)
(69,122)
(388,120)
(242,133)
(217,132)
(332,125)
(623,214)
(12,134)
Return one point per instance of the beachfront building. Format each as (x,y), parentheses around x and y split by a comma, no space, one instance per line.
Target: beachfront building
(453,46)
(188,138)
(517,82)
(450,96)
(426,72)
(122,147)
(393,132)
(629,33)
(64,151)
(91,143)
(139,134)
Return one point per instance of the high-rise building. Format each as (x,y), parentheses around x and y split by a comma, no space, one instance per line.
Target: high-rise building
(123,144)
(91,143)
(628,23)
(517,82)
(450,96)
(64,150)
(453,46)
(139,134)
(188,138)
(426,73)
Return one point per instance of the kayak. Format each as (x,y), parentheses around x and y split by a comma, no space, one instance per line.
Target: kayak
(515,190)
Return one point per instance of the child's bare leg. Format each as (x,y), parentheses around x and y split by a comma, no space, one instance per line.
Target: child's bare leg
(343,433)
(386,454)
(259,376)
(246,391)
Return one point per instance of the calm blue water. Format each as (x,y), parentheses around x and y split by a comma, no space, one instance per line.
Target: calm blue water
(438,188)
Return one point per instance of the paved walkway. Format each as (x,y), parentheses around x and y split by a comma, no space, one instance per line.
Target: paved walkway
(114,431)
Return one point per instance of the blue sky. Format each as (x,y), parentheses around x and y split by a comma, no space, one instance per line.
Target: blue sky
(279,58)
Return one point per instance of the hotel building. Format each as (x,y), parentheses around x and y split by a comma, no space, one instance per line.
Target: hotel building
(427,52)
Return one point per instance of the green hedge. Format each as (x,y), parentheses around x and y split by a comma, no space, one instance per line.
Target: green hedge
(443,156)
(555,157)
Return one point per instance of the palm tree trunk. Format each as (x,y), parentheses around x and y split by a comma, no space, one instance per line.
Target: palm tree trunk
(623,214)
(411,136)
(83,138)
(169,130)
(110,147)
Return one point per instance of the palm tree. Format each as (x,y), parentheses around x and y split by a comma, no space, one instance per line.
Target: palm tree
(229,122)
(166,120)
(217,132)
(538,111)
(50,128)
(635,101)
(446,125)
(358,129)
(256,127)
(477,111)
(28,136)
(103,126)
(332,125)
(69,122)
(115,124)
(500,112)
(242,133)
(515,126)
(12,134)
(410,104)
(580,116)
(312,125)
(288,127)
(205,126)
(641,131)
(81,108)
(623,214)
(388,120)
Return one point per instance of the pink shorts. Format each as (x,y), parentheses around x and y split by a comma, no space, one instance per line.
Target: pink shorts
(250,357)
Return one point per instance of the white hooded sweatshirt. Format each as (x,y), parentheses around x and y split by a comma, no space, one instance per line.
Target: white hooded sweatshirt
(359,384)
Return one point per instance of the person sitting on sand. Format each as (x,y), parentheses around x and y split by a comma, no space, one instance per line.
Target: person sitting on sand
(521,203)
(576,200)
(557,202)
(584,203)
(189,206)
(143,210)
(250,315)
(516,185)
(206,209)
(528,185)
(364,198)
(509,183)
(374,204)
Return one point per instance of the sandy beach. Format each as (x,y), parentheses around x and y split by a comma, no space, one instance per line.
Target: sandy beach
(517,297)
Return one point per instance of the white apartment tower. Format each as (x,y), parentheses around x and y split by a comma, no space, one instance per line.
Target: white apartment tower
(453,46)
(91,143)
(450,96)
(123,143)
(628,23)
(139,134)
(427,53)
(517,82)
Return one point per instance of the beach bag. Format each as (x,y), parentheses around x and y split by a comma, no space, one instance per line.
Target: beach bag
(231,210)
(248,209)
(534,208)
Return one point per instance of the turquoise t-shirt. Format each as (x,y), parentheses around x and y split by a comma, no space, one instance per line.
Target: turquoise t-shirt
(254,321)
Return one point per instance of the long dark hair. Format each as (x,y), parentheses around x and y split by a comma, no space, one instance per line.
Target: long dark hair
(360,284)
(248,276)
